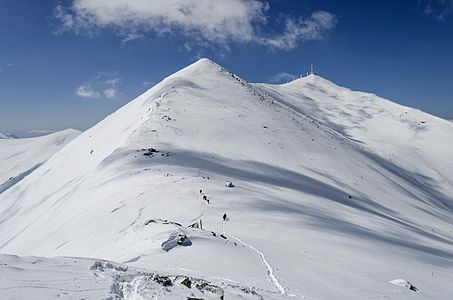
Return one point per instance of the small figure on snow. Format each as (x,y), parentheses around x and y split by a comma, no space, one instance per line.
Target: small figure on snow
(201,191)
(224,216)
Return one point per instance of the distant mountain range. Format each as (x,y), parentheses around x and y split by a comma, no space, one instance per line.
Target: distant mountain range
(16,134)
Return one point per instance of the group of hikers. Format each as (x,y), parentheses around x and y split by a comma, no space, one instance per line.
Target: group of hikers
(205,198)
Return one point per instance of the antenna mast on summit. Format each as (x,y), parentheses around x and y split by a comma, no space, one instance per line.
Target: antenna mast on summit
(312,70)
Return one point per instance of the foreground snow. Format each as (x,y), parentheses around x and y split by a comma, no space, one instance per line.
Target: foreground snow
(80,278)
(329,200)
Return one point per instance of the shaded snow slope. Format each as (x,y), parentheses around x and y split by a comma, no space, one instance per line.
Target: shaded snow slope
(317,210)
(19,157)
(4,135)
(417,142)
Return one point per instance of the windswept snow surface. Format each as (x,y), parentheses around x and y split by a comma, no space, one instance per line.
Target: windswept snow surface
(19,157)
(335,193)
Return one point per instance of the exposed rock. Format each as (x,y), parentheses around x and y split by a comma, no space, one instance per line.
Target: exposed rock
(405,283)
(163,280)
(187,282)
(150,221)
(192,297)
(97,266)
(195,225)
(117,290)
(102,266)
(207,288)
(176,239)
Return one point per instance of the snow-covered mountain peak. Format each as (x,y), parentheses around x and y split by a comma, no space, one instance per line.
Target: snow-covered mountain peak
(199,67)
(203,69)
(314,81)
(253,184)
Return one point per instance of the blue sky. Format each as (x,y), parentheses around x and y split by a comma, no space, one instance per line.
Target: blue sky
(70,63)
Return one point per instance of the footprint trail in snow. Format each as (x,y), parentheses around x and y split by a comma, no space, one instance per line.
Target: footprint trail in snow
(270,270)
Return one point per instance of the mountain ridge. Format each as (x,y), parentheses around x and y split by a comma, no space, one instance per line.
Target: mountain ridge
(305,178)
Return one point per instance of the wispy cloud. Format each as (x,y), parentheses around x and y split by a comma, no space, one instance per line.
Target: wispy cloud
(87,91)
(283,77)
(104,84)
(297,30)
(202,22)
(437,9)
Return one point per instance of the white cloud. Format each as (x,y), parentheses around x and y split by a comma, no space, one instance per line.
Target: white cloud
(132,36)
(104,84)
(301,29)
(283,77)
(111,93)
(86,91)
(202,22)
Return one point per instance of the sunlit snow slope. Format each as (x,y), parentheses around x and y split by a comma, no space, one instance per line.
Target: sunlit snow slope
(335,193)
(19,157)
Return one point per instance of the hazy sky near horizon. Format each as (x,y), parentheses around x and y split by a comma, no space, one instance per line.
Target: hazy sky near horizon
(70,63)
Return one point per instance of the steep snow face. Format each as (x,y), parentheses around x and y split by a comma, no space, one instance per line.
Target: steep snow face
(312,211)
(19,157)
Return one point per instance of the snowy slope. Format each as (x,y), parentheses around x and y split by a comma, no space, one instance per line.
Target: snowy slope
(19,157)
(319,209)
(417,142)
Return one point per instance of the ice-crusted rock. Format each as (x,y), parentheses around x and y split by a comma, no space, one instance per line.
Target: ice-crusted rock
(404,283)
(102,266)
(212,290)
(178,238)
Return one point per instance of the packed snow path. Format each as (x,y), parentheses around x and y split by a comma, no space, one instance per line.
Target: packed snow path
(270,270)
